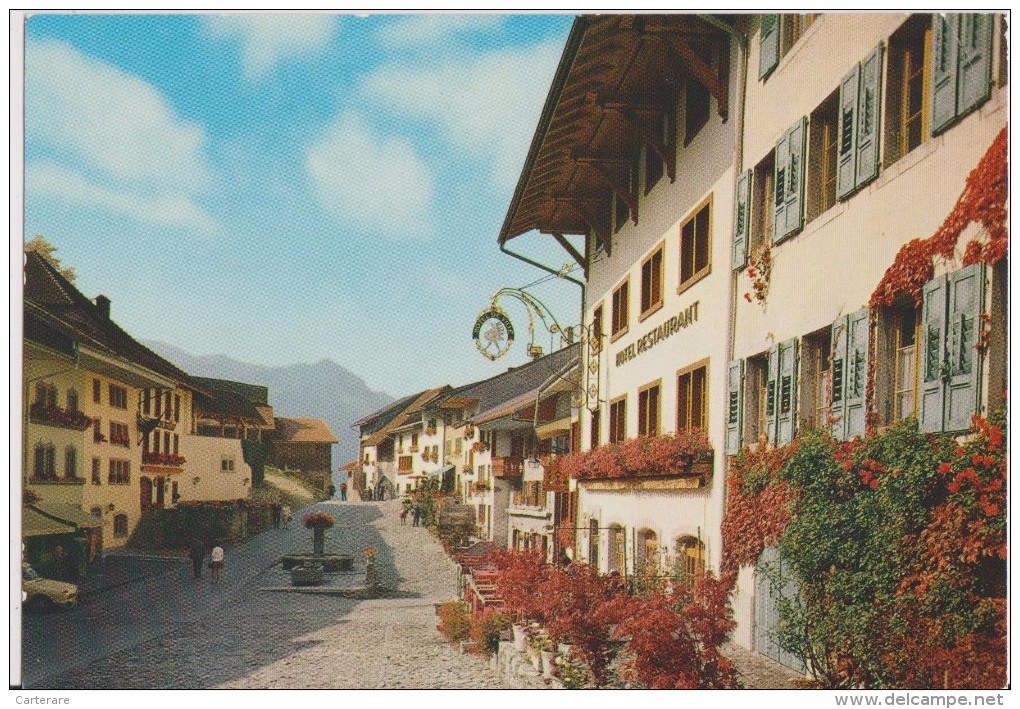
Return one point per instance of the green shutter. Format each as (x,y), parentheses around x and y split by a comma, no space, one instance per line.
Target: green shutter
(838,373)
(869,112)
(945,32)
(963,390)
(742,221)
(786,393)
(858,327)
(734,406)
(974,74)
(771,400)
(795,177)
(782,157)
(846,173)
(769,45)
(933,354)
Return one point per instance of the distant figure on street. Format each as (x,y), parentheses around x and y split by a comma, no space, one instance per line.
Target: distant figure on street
(216,563)
(277,511)
(196,553)
(332,491)
(286,516)
(343,492)
(417,515)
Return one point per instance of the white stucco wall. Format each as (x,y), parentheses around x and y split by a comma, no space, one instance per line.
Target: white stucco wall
(204,456)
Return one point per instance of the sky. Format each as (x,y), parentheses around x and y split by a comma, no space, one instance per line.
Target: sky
(284,188)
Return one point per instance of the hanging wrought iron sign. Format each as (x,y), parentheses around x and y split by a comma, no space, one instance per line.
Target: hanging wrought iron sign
(493,333)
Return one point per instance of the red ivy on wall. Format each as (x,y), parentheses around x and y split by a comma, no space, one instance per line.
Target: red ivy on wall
(984,201)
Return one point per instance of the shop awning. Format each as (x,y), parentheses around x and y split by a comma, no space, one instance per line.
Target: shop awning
(559,427)
(68,514)
(440,472)
(36,524)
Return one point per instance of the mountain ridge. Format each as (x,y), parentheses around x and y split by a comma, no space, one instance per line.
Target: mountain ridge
(324,389)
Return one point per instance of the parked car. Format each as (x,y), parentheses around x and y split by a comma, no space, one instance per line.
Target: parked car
(43,594)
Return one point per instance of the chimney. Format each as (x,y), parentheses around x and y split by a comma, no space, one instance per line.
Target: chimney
(103,306)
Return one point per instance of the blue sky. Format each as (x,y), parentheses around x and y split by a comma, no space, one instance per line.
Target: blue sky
(287,188)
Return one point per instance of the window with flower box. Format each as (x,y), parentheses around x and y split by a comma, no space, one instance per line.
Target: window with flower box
(44,463)
(649,398)
(692,397)
(120,472)
(118,397)
(618,420)
(119,435)
(696,245)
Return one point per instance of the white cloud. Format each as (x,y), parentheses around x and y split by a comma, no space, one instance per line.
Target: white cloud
(113,122)
(487,106)
(377,183)
(268,38)
(47,179)
(432,29)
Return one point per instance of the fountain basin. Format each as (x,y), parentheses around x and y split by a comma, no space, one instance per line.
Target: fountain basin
(330,563)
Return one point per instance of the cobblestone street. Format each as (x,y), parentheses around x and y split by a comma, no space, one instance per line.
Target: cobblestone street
(169,632)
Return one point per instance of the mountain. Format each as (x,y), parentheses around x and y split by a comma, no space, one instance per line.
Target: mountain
(323,389)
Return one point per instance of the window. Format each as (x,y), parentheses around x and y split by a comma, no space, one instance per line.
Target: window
(850,345)
(690,560)
(44,464)
(97,391)
(908,88)
(815,378)
(177,407)
(45,394)
(96,463)
(120,525)
(147,402)
(648,409)
(822,156)
(646,559)
(617,549)
(414,442)
(788,199)
(621,305)
(905,363)
(593,543)
(120,472)
(458,446)
(72,400)
(961,66)
(119,435)
(778,34)
(97,430)
(651,282)
(177,443)
(618,420)
(757,398)
(167,401)
(692,398)
(763,194)
(596,425)
(118,396)
(860,99)
(166,442)
(227,465)
(71,463)
(695,245)
(405,463)
(155,442)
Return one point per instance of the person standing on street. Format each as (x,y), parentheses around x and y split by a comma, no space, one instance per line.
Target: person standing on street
(343,492)
(286,516)
(277,510)
(216,563)
(196,553)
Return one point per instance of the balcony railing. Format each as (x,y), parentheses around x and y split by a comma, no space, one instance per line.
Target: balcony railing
(52,415)
(507,467)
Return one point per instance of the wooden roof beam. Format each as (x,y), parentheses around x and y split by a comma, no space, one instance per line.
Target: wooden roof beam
(651,135)
(701,71)
(574,253)
(622,190)
(572,203)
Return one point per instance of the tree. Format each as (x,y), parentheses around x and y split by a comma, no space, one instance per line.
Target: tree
(42,246)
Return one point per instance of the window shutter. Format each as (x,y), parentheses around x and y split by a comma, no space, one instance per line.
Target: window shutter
(974,75)
(846,175)
(734,406)
(838,373)
(858,326)
(780,160)
(742,221)
(966,298)
(794,190)
(769,45)
(786,393)
(771,396)
(933,347)
(945,32)
(868,112)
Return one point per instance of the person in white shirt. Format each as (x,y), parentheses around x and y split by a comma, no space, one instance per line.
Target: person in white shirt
(216,563)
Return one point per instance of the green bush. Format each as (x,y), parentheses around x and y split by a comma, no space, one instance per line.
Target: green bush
(454,621)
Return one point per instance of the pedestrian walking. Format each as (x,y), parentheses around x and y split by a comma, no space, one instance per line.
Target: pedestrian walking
(343,492)
(277,512)
(286,516)
(417,515)
(216,563)
(196,553)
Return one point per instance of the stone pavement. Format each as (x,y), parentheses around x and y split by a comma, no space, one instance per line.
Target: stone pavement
(759,672)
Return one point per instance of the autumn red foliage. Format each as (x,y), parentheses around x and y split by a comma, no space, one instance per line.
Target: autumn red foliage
(668,454)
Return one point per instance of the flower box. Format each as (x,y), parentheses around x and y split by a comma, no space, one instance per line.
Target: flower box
(168,459)
(682,455)
(51,415)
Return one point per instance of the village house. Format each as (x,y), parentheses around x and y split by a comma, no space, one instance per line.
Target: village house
(865,129)
(304,446)
(635,153)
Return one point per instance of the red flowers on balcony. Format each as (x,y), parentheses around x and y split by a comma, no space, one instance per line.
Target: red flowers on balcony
(666,455)
(168,459)
(53,415)
(120,439)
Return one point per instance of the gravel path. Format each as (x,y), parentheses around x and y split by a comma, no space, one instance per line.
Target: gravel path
(389,642)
